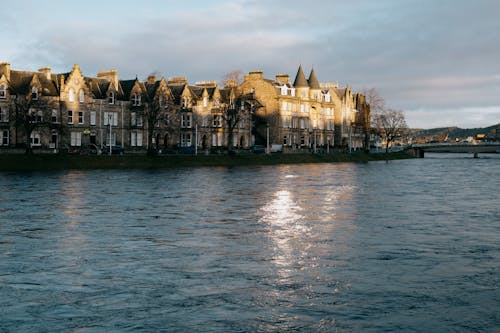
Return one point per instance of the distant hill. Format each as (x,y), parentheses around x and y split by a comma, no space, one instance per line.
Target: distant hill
(453,132)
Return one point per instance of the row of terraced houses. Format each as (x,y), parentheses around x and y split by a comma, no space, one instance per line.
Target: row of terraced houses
(45,111)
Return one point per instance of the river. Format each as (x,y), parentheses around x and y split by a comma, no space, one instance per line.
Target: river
(410,245)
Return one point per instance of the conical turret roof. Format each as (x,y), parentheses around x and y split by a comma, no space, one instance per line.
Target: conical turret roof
(313,80)
(300,79)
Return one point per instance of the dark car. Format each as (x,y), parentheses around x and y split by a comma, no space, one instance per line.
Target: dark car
(115,150)
(258,149)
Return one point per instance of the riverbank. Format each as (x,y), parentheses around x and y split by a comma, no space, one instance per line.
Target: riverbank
(17,162)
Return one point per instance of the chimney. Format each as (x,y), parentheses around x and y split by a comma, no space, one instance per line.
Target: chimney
(110,75)
(151,79)
(230,84)
(5,69)
(282,78)
(46,71)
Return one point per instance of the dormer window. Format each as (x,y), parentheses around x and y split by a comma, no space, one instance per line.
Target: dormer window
(327,97)
(205,101)
(111,98)
(71,95)
(216,102)
(34,93)
(284,90)
(81,96)
(136,99)
(292,91)
(3,91)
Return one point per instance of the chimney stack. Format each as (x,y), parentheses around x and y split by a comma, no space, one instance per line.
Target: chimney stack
(5,69)
(46,71)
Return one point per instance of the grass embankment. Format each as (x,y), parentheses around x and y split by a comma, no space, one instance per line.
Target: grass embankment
(18,162)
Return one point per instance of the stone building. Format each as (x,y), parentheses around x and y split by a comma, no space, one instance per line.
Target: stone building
(307,115)
(71,111)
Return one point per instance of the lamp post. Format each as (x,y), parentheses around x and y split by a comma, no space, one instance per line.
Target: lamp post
(314,132)
(267,138)
(110,119)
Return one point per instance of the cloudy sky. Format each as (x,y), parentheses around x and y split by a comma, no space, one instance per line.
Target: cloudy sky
(438,60)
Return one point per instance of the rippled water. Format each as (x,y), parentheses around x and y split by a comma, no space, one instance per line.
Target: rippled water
(405,246)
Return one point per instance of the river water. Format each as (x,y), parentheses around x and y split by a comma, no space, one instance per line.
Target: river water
(409,245)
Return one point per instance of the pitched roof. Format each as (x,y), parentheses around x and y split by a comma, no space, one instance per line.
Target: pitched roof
(300,79)
(20,83)
(313,80)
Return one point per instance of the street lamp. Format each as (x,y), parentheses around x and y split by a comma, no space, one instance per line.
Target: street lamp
(110,119)
(267,138)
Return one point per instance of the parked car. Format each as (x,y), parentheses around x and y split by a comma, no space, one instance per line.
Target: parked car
(258,149)
(115,150)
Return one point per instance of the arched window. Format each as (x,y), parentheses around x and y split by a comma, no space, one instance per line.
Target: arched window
(81,96)
(71,95)
(3,91)
(34,93)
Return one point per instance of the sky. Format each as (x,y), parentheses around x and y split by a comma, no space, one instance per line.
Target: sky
(437,60)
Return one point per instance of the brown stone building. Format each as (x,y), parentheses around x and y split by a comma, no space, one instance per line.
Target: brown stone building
(72,112)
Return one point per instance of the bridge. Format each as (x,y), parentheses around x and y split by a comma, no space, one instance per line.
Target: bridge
(460,147)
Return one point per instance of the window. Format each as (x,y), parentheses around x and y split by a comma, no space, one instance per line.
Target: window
(287,122)
(136,139)
(284,105)
(186,121)
(302,140)
(186,140)
(302,123)
(4,115)
(35,139)
(111,118)
(133,119)
(204,121)
(4,137)
(81,96)
(285,140)
(3,91)
(39,116)
(327,97)
(113,139)
(284,90)
(295,122)
(205,101)
(76,139)
(34,93)
(71,95)
(111,98)
(136,99)
(217,121)
(80,117)
(92,118)
(292,90)
(70,117)
(302,108)
(53,116)
(216,102)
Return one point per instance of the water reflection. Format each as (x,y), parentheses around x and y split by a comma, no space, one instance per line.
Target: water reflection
(286,228)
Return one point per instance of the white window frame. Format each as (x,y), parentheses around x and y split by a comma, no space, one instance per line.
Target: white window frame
(111,97)
(93,118)
(284,90)
(186,120)
(34,93)
(136,139)
(81,118)
(76,139)
(35,139)
(81,96)
(4,137)
(114,118)
(136,100)
(3,91)
(186,139)
(217,121)
(53,116)
(4,115)
(205,101)
(71,95)
(70,117)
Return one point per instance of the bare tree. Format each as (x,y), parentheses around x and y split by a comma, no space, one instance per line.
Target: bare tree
(389,125)
(232,115)
(374,99)
(30,116)
(158,115)
(236,76)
